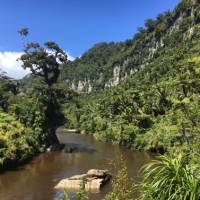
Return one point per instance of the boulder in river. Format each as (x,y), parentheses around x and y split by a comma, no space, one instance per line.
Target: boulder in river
(93,180)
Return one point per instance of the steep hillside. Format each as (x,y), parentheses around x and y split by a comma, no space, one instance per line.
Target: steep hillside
(156,108)
(106,64)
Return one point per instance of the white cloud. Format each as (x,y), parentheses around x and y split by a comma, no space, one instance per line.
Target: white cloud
(10,65)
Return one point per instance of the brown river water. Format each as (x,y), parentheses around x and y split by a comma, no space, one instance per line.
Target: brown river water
(36,180)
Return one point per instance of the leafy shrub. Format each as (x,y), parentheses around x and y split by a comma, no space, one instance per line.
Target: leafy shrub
(170,178)
(122,186)
(15,140)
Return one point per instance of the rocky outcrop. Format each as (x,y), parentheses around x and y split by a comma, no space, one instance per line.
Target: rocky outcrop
(94,179)
(176,24)
(115,78)
(81,86)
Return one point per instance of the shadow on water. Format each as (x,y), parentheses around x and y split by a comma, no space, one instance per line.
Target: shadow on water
(36,180)
(75,148)
(15,166)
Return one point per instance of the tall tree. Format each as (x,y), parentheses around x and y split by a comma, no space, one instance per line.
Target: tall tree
(44,61)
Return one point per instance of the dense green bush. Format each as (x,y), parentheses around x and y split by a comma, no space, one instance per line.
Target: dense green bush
(17,142)
(170,178)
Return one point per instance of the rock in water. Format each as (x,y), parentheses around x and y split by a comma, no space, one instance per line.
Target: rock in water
(97,173)
(93,180)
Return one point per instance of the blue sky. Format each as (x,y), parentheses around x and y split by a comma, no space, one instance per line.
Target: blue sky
(75,24)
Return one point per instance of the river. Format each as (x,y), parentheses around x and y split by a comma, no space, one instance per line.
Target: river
(36,180)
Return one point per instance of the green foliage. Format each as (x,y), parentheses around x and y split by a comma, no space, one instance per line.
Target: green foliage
(122,185)
(8,88)
(65,196)
(15,140)
(111,196)
(82,194)
(150,24)
(22,123)
(170,178)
